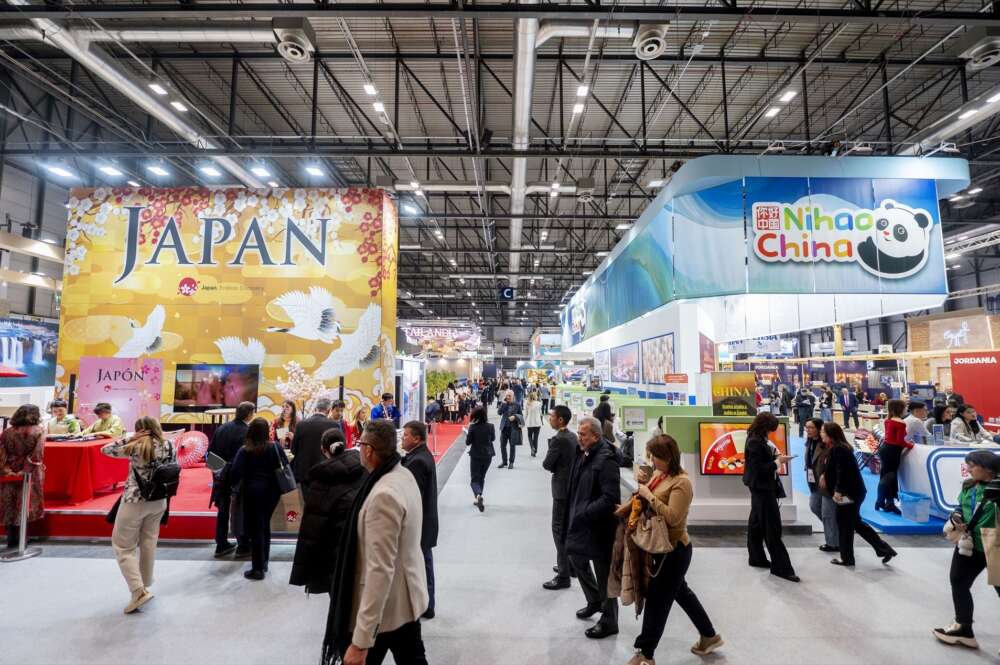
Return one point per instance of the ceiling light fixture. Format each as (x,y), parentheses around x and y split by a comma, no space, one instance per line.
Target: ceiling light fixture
(788,96)
(211,171)
(554,193)
(179,106)
(582,90)
(587,272)
(410,209)
(107,169)
(61,171)
(956,198)
(370,89)
(379,107)
(158,89)
(975,190)
(771,112)
(157,170)
(314,170)
(273,183)
(133,183)
(625,226)
(655,183)
(577,108)
(260,171)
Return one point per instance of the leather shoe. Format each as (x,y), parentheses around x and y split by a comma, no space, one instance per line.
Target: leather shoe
(762,564)
(588,611)
(600,631)
(502,466)
(889,557)
(556,583)
(791,577)
(828,548)
(838,562)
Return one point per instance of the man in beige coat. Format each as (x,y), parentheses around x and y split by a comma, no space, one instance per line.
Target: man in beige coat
(390,582)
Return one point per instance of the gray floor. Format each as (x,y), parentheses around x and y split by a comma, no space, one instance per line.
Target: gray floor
(65,607)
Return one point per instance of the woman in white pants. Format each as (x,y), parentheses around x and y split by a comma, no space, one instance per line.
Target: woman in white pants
(137,524)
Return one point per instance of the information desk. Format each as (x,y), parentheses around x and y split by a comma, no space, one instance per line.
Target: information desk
(75,470)
(938,472)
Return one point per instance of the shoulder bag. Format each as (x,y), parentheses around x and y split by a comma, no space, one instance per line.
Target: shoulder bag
(284,474)
(652,534)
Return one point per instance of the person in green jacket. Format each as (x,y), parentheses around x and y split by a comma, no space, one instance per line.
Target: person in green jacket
(969,560)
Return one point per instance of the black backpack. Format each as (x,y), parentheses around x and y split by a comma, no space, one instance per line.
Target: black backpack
(628,451)
(162,483)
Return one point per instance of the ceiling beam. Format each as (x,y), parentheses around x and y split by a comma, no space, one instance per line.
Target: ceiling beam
(409,10)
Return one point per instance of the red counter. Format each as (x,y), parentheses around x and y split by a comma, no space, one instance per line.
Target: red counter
(75,471)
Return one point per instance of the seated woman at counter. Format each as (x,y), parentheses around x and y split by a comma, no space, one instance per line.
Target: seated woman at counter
(880,400)
(107,424)
(894,444)
(61,422)
(943,415)
(966,427)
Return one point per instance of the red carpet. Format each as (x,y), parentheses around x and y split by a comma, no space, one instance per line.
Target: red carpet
(190,516)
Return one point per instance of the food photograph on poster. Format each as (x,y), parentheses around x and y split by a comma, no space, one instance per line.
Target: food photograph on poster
(625,363)
(298,283)
(657,358)
(722,447)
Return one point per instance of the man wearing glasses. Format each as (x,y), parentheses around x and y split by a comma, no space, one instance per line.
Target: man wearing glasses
(380,589)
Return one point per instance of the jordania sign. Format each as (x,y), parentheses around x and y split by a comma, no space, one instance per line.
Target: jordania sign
(891,241)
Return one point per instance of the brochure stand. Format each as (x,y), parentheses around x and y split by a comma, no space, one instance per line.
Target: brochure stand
(22,551)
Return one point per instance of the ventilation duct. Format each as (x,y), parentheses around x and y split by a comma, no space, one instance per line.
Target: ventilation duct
(555,29)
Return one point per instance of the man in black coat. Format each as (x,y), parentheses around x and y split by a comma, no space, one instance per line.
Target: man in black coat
(594,492)
(226,441)
(559,462)
(420,462)
(510,428)
(305,442)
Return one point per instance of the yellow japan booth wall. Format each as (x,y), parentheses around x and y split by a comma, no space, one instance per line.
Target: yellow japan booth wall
(238,276)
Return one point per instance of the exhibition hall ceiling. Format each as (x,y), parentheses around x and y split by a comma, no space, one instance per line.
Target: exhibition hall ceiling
(516,164)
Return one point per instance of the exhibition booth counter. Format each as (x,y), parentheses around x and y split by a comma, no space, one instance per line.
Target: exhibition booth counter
(937,472)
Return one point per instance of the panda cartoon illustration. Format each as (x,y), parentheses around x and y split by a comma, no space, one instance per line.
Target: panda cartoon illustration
(899,243)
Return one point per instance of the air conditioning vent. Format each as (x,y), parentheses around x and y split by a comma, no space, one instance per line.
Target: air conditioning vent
(650,41)
(980,48)
(296,39)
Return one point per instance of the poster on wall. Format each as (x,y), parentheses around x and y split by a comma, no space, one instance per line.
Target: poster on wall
(28,352)
(633,418)
(625,363)
(264,277)
(723,445)
(791,373)
(602,365)
(132,386)
(734,394)
(657,358)
(974,376)
(706,353)
(851,373)
(960,333)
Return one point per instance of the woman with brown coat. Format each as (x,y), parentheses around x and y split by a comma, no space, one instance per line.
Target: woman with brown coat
(668,492)
(21,447)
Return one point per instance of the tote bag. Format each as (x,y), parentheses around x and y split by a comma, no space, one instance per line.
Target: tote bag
(652,535)
(284,474)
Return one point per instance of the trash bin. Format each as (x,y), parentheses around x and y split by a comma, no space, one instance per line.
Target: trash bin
(915,507)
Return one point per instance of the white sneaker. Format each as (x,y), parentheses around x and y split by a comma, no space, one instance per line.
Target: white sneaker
(957,635)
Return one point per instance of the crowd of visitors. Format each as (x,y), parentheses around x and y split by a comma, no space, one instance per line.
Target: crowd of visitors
(370,520)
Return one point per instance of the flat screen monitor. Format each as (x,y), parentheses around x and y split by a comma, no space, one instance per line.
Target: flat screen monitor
(204,387)
(722,446)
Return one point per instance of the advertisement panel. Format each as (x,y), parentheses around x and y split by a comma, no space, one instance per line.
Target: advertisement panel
(850,373)
(722,447)
(625,363)
(709,242)
(734,394)
(602,364)
(28,352)
(974,377)
(657,358)
(132,386)
(234,276)
(706,353)
(960,332)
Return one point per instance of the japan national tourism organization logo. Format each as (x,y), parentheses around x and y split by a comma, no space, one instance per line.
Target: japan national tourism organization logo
(892,241)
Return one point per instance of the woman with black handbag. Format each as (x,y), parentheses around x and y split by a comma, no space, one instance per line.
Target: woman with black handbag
(141,508)
(260,474)
(668,492)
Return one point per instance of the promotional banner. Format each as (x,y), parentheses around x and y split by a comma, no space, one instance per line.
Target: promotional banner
(723,447)
(770,235)
(734,394)
(602,364)
(960,333)
(450,341)
(851,373)
(974,377)
(706,353)
(625,363)
(236,277)
(27,352)
(132,386)
(657,358)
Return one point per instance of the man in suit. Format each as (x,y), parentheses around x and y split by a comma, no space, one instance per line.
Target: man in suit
(951,396)
(387,410)
(594,491)
(420,462)
(226,442)
(559,462)
(390,583)
(510,428)
(849,403)
(305,442)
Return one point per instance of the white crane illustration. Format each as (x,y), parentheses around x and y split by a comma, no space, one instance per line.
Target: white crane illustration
(235,352)
(358,350)
(312,315)
(146,338)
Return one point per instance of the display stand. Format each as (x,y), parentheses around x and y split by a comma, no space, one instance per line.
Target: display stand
(23,552)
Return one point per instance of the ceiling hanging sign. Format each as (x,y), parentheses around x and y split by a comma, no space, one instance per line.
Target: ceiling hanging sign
(507,293)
